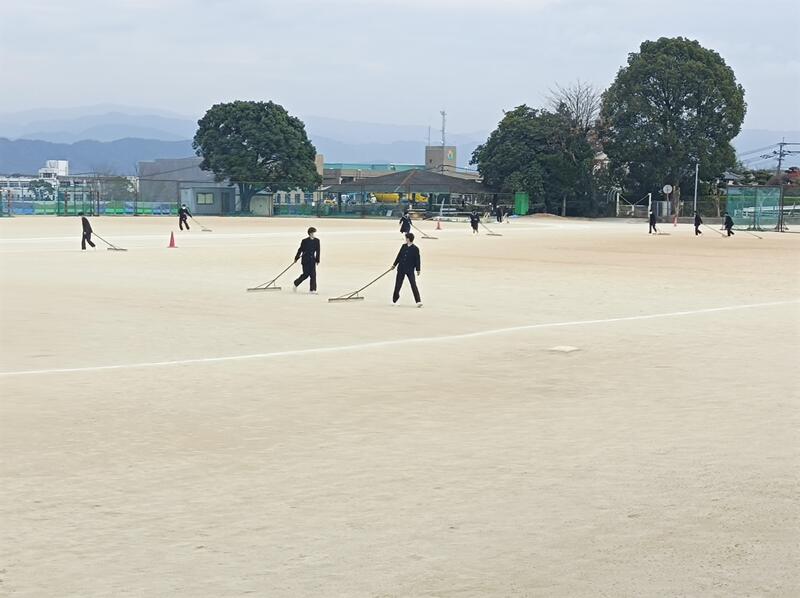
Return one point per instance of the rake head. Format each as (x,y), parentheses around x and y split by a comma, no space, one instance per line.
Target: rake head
(254,289)
(342,299)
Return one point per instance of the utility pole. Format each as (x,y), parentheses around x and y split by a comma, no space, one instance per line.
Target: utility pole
(444,126)
(696,173)
(781,153)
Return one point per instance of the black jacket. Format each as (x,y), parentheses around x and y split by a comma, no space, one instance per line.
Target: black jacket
(474,219)
(652,218)
(87,228)
(408,259)
(697,220)
(728,222)
(405,223)
(183,213)
(309,249)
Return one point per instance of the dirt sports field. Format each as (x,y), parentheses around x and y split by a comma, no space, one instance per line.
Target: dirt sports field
(165,433)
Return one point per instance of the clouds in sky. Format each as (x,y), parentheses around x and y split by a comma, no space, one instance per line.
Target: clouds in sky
(395,61)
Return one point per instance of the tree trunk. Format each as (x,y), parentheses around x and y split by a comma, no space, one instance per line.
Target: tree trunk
(246,193)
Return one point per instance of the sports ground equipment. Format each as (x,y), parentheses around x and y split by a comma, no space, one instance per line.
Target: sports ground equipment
(270,284)
(111,246)
(354,296)
(202,228)
(423,233)
(490,232)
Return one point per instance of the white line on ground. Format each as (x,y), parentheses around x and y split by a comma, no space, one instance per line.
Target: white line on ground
(392,343)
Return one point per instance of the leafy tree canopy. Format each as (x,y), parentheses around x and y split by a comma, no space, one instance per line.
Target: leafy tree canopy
(256,145)
(673,104)
(542,153)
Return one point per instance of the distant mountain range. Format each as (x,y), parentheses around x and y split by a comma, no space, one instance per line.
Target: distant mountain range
(113,138)
(26,156)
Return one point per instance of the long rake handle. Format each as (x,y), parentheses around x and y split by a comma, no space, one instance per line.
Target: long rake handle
(266,284)
(487,228)
(200,224)
(715,230)
(424,234)
(104,241)
(366,285)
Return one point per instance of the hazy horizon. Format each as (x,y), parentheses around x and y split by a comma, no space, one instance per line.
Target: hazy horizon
(382,61)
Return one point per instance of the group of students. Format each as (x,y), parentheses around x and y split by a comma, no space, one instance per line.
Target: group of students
(728,224)
(474,221)
(408,263)
(86,236)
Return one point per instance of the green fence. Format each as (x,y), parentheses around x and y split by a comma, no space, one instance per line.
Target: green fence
(754,208)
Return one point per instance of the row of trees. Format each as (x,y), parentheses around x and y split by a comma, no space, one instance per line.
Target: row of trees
(674,104)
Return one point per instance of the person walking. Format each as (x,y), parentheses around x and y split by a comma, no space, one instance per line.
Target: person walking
(183,216)
(86,236)
(729,224)
(405,222)
(652,221)
(407,263)
(697,223)
(474,221)
(308,253)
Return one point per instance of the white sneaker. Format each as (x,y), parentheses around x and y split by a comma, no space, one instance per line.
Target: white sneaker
(419,304)
(314,292)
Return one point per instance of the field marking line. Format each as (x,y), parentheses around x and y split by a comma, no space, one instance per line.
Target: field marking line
(396,342)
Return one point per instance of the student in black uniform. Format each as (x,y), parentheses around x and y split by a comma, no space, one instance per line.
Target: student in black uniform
(86,237)
(697,222)
(729,224)
(309,251)
(499,213)
(406,263)
(474,220)
(183,215)
(405,223)
(652,221)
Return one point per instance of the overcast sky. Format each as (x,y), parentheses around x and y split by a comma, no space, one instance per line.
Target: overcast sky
(391,61)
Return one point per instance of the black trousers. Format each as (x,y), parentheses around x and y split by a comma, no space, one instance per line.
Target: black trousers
(309,271)
(86,238)
(652,229)
(398,283)
(182,221)
(697,230)
(730,232)
(474,228)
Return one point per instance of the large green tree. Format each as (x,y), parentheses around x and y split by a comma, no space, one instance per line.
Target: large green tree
(542,153)
(256,145)
(674,104)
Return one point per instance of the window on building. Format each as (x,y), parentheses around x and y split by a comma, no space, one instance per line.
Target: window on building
(309,197)
(204,199)
(297,197)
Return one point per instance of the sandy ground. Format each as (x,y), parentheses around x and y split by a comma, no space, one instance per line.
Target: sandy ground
(165,433)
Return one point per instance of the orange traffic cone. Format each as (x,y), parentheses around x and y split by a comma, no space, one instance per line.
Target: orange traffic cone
(172,241)
(438,224)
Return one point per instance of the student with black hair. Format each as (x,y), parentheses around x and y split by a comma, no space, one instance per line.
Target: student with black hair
(474,220)
(697,223)
(405,222)
(407,263)
(308,253)
(183,215)
(86,236)
(729,224)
